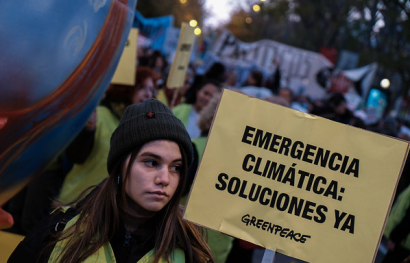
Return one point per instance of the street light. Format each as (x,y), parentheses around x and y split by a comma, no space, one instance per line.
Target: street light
(182,1)
(385,83)
(256,8)
(248,20)
(197,31)
(193,23)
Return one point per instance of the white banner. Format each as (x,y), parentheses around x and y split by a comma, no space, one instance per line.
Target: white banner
(299,68)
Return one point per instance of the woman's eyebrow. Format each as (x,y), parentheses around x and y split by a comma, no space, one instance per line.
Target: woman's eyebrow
(156,156)
(150,154)
(177,160)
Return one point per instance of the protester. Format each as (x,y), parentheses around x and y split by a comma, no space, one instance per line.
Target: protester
(286,94)
(134,214)
(231,81)
(159,64)
(297,102)
(89,150)
(253,86)
(278,100)
(404,181)
(255,79)
(387,125)
(397,229)
(199,96)
(217,71)
(174,96)
(274,82)
(334,108)
(220,244)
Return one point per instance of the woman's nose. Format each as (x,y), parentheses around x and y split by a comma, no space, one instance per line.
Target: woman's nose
(162,177)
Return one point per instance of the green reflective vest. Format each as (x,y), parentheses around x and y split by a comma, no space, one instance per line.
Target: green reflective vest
(94,169)
(182,112)
(106,254)
(396,215)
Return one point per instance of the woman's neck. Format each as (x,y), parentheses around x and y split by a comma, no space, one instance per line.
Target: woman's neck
(133,216)
(131,223)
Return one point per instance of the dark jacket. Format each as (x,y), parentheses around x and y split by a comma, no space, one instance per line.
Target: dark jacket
(126,249)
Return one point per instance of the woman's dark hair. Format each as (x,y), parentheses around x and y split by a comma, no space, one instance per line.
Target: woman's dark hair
(336,99)
(216,71)
(153,58)
(197,85)
(258,77)
(118,93)
(104,220)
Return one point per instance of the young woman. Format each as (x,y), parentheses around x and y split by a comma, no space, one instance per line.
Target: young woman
(134,214)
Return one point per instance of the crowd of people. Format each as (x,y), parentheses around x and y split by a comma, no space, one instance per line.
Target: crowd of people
(75,211)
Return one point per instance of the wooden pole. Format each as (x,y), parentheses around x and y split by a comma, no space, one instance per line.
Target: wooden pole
(174,98)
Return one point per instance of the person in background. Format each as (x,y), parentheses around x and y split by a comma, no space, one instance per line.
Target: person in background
(255,79)
(89,150)
(231,81)
(253,86)
(334,108)
(220,244)
(397,229)
(278,100)
(387,125)
(274,82)
(199,96)
(404,181)
(159,64)
(133,215)
(286,94)
(217,72)
(175,96)
(299,102)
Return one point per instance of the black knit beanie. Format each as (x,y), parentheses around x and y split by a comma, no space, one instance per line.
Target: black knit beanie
(145,122)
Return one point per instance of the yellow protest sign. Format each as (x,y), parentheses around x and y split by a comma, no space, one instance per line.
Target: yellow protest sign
(125,71)
(179,66)
(302,185)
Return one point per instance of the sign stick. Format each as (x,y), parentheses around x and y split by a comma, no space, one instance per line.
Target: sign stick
(174,98)
(268,256)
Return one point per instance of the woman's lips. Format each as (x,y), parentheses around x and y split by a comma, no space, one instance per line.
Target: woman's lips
(160,194)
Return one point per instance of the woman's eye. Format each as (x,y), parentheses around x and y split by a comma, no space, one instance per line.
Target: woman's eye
(176,168)
(150,163)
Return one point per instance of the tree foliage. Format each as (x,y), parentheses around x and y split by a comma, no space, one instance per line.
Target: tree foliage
(378,30)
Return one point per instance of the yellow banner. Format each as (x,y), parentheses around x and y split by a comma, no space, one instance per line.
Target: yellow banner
(179,66)
(299,184)
(125,71)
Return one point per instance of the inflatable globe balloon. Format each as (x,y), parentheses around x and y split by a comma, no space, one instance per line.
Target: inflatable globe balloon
(56,60)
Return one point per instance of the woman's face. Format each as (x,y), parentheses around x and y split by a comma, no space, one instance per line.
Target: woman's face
(154,176)
(146,91)
(159,63)
(204,95)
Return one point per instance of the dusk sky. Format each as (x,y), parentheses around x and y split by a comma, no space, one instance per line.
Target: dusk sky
(220,10)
